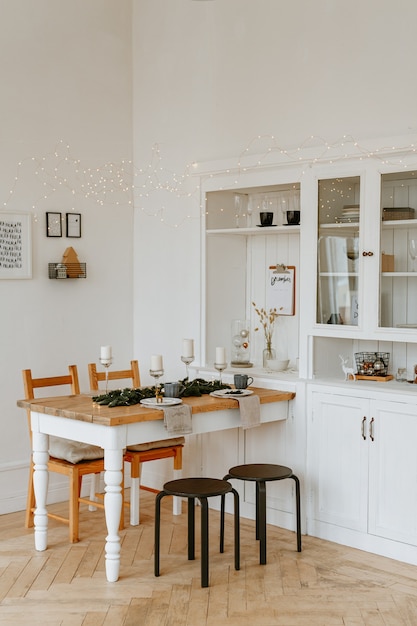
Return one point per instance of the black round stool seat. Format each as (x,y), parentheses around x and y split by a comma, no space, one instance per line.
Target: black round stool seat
(200,488)
(197,487)
(261,473)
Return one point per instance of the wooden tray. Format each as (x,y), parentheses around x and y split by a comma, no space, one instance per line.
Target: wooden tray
(382,379)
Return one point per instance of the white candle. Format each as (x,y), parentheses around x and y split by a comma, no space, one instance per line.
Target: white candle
(220,356)
(156,362)
(187,347)
(105,353)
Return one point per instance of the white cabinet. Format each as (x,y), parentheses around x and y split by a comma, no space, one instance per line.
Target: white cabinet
(393,471)
(338,465)
(366,241)
(362,470)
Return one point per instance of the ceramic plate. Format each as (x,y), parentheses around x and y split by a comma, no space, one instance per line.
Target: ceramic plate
(231,393)
(157,405)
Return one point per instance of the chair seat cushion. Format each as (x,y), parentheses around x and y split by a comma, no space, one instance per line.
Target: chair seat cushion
(73,451)
(151,445)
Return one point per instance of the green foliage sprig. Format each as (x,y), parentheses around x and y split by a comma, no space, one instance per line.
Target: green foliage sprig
(129,397)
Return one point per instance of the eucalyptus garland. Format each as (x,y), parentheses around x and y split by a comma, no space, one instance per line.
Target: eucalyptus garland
(128,396)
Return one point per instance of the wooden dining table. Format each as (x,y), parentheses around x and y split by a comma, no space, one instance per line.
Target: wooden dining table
(79,418)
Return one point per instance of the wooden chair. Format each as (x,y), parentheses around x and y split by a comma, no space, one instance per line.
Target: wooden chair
(86,459)
(151,451)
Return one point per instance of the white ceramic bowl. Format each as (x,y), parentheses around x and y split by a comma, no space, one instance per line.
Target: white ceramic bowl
(277,365)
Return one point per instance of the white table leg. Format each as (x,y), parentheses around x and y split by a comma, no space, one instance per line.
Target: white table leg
(113,460)
(134,501)
(176,500)
(40,444)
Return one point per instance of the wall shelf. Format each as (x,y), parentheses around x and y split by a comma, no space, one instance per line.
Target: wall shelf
(72,270)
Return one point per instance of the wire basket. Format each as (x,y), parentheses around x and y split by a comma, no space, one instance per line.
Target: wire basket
(372,363)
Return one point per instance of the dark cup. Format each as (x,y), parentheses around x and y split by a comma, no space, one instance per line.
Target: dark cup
(173,390)
(266,218)
(242,381)
(293,217)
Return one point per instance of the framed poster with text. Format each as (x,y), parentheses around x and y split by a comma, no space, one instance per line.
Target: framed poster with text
(15,245)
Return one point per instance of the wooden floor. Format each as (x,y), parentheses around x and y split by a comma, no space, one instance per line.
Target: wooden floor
(324,585)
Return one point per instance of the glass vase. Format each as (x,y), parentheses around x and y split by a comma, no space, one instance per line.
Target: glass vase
(268,355)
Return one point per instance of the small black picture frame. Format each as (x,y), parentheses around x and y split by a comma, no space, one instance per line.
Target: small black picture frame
(73,224)
(53,225)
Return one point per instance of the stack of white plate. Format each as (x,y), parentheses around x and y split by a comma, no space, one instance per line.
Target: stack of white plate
(350,213)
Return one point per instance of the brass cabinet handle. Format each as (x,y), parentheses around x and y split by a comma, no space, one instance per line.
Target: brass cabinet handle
(364,253)
(371,429)
(363,427)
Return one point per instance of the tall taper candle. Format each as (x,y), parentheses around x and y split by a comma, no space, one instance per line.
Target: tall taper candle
(220,355)
(105,353)
(187,347)
(156,362)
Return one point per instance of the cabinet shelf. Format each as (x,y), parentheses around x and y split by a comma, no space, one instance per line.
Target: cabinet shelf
(399,224)
(339,274)
(399,274)
(338,226)
(267,230)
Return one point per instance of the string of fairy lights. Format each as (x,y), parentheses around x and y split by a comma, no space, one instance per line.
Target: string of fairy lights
(176,194)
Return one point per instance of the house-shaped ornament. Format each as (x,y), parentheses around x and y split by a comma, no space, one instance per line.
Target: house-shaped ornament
(70,259)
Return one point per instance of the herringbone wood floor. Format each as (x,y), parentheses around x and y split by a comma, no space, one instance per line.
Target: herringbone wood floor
(324,585)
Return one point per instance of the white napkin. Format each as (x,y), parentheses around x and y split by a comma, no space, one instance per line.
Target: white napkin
(250,411)
(177,419)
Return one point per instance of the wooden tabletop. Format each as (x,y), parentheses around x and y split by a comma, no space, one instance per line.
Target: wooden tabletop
(81,407)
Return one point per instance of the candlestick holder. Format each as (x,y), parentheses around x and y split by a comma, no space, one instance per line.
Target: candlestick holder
(106,362)
(187,360)
(156,374)
(220,367)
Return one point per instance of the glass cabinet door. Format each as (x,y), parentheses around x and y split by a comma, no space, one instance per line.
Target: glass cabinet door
(398,282)
(338,251)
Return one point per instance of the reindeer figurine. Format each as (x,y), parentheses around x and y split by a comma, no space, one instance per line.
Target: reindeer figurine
(348,371)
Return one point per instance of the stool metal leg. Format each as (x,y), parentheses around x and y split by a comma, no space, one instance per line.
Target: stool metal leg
(237,529)
(261,525)
(158,499)
(298,510)
(257,509)
(191,529)
(222,505)
(204,543)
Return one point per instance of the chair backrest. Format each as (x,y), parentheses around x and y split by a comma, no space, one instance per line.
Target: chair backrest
(30,384)
(96,376)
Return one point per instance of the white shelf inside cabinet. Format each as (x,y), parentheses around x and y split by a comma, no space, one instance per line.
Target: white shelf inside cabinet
(399,224)
(266,230)
(400,274)
(342,226)
(340,274)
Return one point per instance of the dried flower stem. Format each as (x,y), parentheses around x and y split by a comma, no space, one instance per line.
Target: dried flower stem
(267,322)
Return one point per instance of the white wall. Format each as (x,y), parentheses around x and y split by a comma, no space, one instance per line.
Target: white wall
(209,77)
(65,71)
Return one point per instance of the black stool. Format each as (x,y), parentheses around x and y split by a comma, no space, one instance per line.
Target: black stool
(261,473)
(201,488)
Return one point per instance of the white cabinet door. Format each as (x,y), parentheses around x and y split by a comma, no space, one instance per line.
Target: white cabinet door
(393,471)
(338,460)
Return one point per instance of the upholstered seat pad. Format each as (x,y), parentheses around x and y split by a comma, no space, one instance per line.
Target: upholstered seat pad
(73,451)
(151,445)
